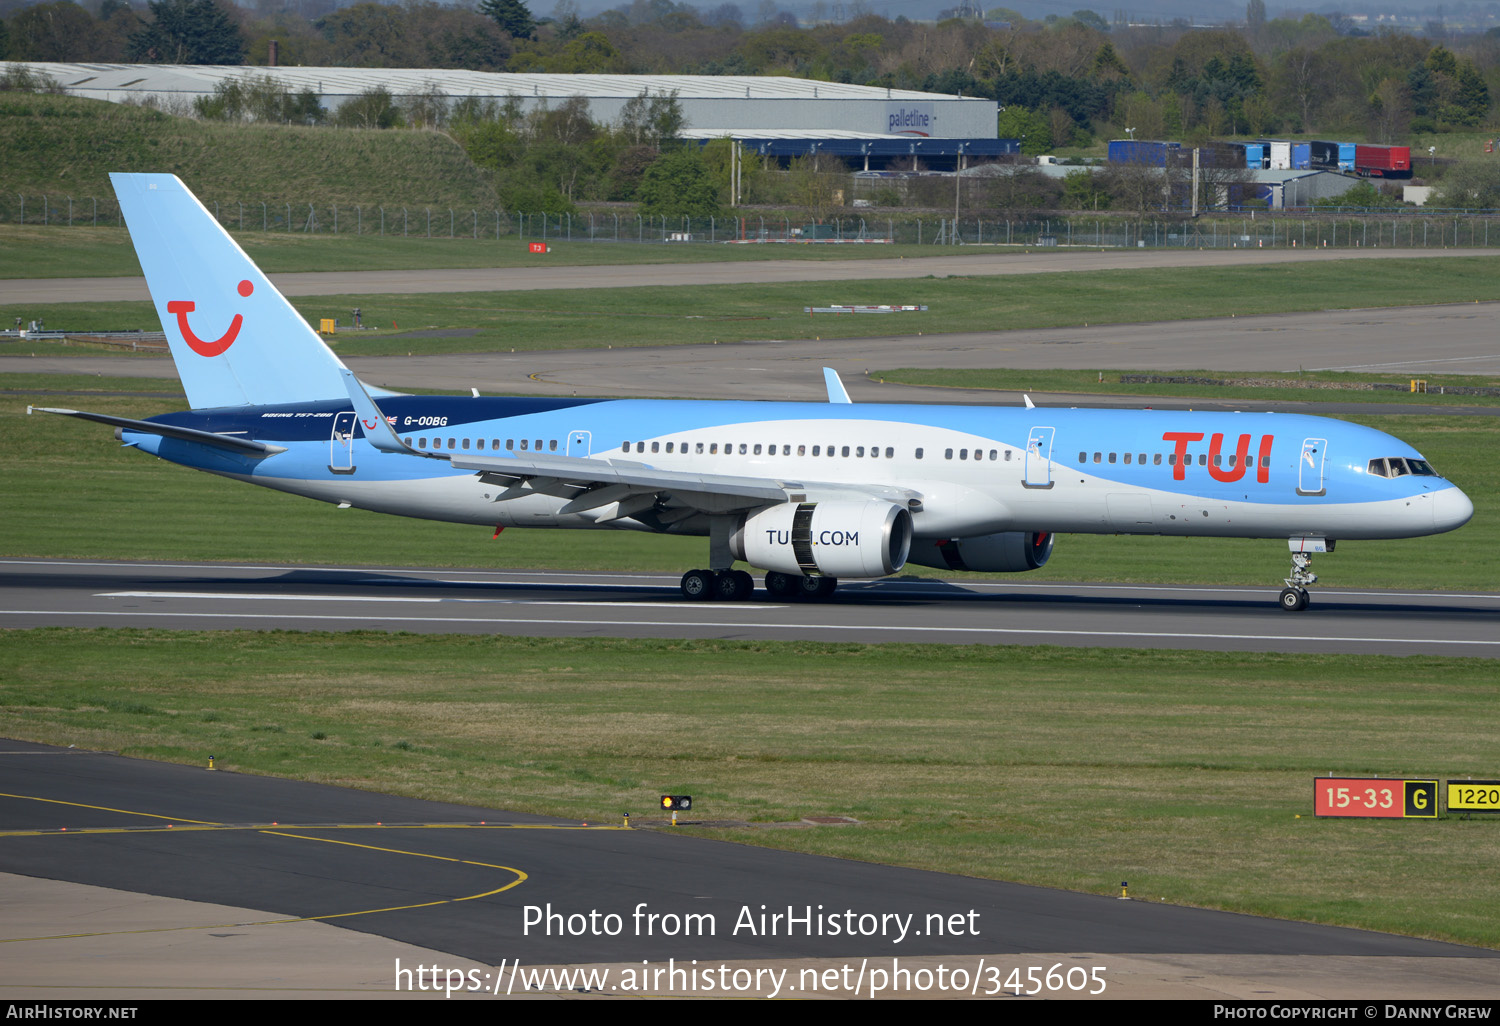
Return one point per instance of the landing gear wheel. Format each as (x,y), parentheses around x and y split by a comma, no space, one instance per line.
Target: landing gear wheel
(733,586)
(782,586)
(1293,600)
(817,588)
(698,585)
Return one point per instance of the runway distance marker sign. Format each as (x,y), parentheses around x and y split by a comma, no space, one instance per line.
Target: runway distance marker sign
(1474,796)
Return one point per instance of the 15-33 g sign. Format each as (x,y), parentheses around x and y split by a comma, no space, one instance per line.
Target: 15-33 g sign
(1376,798)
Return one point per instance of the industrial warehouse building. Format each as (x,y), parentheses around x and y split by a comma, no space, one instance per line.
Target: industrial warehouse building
(778,116)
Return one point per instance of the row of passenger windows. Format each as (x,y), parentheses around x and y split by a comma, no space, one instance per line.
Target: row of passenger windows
(1394,467)
(527,444)
(1230,460)
(773,449)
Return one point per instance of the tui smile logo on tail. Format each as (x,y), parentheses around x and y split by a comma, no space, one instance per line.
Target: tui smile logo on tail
(183,307)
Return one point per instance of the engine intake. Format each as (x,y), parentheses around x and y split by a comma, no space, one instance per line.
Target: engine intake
(826,539)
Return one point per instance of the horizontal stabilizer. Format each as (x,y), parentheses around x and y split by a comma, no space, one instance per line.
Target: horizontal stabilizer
(248,446)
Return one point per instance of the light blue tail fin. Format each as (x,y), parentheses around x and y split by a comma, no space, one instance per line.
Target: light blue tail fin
(235,339)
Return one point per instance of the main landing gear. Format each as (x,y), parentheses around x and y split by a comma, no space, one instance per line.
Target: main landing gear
(1294,596)
(737,586)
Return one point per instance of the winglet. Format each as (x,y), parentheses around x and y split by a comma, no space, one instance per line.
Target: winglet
(378,430)
(1029,404)
(836,391)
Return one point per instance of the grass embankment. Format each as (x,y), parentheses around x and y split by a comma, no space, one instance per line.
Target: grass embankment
(67,146)
(1184,773)
(1303,386)
(72,492)
(672,315)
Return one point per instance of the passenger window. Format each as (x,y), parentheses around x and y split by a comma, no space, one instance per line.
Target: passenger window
(1083,457)
(817,450)
(421,443)
(406,442)
(860,451)
(947,454)
(1111,457)
(890,452)
(1098,457)
(510,443)
(466,443)
(919,454)
(525,444)
(450,443)
(552,446)
(1127,457)
(713,448)
(1156,460)
(963,454)
(742,448)
(1202,459)
(1142,459)
(801,450)
(640,446)
(757,448)
(700,447)
(669,447)
(846,450)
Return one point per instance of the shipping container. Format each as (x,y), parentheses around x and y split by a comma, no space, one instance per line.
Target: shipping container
(1324,156)
(1279,154)
(1301,156)
(1142,151)
(1382,161)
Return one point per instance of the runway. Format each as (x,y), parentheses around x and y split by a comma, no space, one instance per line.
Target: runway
(458,881)
(1452,339)
(187,596)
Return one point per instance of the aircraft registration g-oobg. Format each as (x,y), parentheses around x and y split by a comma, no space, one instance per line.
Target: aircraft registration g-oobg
(808,492)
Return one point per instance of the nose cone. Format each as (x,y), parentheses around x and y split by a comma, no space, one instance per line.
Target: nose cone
(1451,509)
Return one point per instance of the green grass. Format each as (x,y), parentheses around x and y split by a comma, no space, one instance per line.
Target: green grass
(1302,386)
(67,146)
(668,315)
(62,475)
(40,251)
(1195,771)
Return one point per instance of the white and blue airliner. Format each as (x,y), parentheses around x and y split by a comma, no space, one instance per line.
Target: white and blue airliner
(807,492)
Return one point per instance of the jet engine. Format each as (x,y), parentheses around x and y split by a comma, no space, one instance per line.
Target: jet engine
(826,539)
(1006,552)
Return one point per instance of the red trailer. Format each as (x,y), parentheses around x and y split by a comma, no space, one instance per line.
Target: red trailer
(1382,161)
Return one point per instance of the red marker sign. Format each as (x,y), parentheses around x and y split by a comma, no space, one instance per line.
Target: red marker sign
(1377,798)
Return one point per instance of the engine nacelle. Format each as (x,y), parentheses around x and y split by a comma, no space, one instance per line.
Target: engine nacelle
(1006,552)
(826,539)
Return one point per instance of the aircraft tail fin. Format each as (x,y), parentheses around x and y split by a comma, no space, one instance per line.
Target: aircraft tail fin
(235,339)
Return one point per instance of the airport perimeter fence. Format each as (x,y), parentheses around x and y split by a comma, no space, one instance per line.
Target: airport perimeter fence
(1408,230)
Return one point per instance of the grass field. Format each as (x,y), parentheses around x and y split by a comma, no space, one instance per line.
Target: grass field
(1188,774)
(672,315)
(40,251)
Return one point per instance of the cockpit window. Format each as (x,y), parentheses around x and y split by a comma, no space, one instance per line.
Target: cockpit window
(1400,466)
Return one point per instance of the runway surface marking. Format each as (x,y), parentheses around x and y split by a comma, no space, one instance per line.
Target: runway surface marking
(253,597)
(720,624)
(268,831)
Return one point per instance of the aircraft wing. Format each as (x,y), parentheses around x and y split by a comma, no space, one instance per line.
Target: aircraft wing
(591,483)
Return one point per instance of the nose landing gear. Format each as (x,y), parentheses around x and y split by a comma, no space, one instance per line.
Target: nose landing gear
(1294,597)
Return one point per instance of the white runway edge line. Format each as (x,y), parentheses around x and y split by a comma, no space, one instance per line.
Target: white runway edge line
(263,597)
(1018,631)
